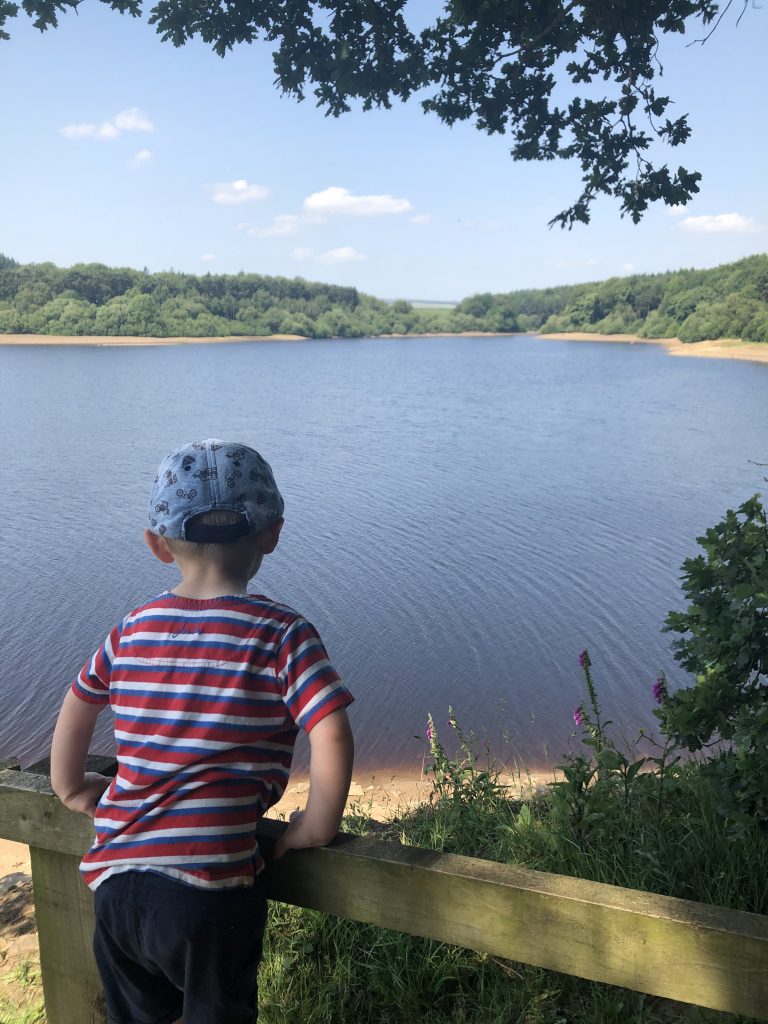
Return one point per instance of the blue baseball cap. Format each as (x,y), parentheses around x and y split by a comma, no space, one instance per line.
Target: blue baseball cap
(208,475)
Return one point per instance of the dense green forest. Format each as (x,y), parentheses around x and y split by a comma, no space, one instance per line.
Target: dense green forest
(729,301)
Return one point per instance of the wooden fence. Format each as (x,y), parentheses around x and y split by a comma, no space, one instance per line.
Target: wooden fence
(663,946)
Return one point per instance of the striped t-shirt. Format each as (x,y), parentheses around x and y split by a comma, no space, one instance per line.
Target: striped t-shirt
(207,697)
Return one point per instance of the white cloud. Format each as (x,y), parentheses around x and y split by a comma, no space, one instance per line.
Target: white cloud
(79,131)
(420,218)
(675,211)
(235,192)
(341,200)
(344,254)
(721,223)
(141,158)
(207,257)
(130,120)
(627,268)
(283,224)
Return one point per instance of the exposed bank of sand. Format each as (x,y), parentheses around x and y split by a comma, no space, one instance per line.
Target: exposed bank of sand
(126,340)
(389,794)
(721,348)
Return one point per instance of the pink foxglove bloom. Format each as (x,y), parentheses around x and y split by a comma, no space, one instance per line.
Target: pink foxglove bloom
(659,691)
(578,715)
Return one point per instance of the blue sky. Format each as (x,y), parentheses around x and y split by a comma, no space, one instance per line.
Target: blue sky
(121,149)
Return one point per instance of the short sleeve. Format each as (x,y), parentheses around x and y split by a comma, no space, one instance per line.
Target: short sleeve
(310,685)
(92,682)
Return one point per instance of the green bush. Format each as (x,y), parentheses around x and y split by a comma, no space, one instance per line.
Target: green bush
(723,641)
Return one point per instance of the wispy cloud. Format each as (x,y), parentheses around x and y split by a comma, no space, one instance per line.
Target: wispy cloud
(420,218)
(283,224)
(130,120)
(337,200)
(208,257)
(142,158)
(235,192)
(344,254)
(722,223)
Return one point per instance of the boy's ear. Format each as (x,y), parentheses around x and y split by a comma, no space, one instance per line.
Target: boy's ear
(158,547)
(270,535)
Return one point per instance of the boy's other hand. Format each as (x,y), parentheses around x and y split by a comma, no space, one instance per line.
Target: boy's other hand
(284,842)
(86,797)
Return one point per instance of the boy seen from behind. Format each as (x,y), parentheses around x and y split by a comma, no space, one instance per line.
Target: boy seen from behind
(209,685)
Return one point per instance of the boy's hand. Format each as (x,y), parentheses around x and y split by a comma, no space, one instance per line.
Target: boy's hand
(86,798)
(285,842)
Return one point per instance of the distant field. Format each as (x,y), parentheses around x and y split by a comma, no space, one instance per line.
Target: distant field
(419,304)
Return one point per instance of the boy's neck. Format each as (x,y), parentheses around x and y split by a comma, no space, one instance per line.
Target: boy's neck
(205,582)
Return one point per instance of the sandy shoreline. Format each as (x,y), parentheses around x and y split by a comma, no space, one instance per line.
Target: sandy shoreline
(125,341)
(721,348)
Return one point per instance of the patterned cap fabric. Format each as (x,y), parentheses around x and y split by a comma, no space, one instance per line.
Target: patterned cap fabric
(208,475)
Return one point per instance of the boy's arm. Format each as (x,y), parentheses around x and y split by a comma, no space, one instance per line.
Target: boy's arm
(330,772)
(77,789)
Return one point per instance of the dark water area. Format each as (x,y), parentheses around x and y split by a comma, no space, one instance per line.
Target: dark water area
(463,516)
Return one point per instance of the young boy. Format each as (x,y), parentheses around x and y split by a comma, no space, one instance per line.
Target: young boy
(209,686)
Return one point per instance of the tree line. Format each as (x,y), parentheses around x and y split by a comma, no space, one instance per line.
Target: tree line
(729,301)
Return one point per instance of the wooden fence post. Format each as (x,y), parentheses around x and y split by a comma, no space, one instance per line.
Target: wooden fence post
(64,911)
(63,903)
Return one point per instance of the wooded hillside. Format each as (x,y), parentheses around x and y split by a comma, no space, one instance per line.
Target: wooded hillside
(730,301)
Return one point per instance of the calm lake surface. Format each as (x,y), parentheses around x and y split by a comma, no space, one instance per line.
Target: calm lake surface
(463,516)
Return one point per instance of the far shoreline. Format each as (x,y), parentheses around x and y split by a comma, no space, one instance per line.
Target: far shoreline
(719,348)
(716,348)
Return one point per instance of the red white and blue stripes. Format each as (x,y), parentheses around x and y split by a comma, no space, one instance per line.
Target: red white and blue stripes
(207,697)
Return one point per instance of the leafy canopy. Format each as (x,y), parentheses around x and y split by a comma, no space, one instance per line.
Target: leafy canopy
(503,64)
(722,638)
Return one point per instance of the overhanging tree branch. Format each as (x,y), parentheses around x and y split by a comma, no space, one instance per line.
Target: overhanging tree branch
(497,63)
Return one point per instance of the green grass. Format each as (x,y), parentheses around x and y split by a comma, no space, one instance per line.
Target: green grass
(28,1008)
(658,833)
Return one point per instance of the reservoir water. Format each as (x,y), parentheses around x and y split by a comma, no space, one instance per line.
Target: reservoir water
(463,516)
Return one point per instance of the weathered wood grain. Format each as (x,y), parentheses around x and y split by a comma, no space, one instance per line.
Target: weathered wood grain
(663,946)
(64,912)
(31,814)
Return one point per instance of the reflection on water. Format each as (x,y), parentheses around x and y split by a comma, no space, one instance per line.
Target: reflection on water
(463,515)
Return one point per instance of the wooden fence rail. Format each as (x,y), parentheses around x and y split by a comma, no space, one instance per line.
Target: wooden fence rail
(663,946)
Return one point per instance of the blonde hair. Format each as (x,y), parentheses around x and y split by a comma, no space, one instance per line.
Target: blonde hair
(226,556)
